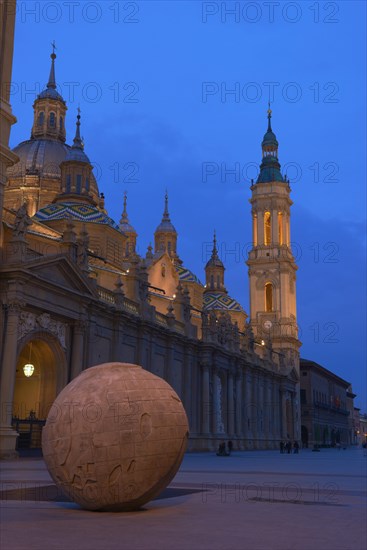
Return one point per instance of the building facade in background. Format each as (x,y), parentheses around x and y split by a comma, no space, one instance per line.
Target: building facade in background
(327,407)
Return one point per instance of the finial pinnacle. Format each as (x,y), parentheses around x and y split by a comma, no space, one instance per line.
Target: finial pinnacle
(269,117)
(215,250)
(165,213)
(78,142)
(53,55)
(124,213)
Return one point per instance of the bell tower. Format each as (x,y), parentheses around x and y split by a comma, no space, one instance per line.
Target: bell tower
(272,267)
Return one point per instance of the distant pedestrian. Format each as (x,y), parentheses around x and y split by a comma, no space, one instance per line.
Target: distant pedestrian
(281,447)
(296,447)
(230,447)
(222,450)
(288,446)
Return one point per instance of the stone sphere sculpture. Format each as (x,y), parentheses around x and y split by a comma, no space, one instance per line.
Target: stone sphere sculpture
(115,437)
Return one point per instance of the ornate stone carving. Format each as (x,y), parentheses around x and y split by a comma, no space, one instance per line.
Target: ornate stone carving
(21,223)
(29,322)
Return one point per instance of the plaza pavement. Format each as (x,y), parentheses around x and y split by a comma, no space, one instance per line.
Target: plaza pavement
(259,500)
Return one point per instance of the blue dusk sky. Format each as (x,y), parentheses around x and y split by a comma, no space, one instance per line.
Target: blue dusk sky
(174,96)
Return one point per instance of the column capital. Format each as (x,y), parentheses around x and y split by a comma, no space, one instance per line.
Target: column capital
(15,306)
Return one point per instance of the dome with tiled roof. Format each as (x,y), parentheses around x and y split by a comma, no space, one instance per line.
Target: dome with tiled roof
(86,213)
(219,300)
(186,275)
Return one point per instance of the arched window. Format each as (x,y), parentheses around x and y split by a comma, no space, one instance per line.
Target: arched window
(52,120)
(268,297)
(211,281)
(61,123)
(169,247)
(41,118)
(280,228)
(78,184)
(267,228)
(87,184)
(68,184)
(218,281)
(163,270)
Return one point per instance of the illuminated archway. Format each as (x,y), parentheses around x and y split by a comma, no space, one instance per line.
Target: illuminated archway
(34,395)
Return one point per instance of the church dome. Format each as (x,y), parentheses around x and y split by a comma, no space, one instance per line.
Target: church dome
(75,211)
(214,261)
(43,158)
(270,139)
(50,93)
(166,226)
(78,155)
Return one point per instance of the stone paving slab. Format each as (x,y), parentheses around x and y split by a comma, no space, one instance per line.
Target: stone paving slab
(258,500)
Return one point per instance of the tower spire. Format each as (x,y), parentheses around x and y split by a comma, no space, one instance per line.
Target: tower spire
(215,250)
(166,213)
(77,140)
(52,80)
(124,216)
(128,229)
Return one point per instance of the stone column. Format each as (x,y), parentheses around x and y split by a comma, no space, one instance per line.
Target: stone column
(169,375)
(284,415)
(187,390)
(274,226)
(205,399)
(238,403)
(295,434)
(274,413)
(247,427)
(215,415)
(260,227)
(230,404)
(277,434)
(7,434)
(266,409)
(284,227)
(261,409)
(254,409)
(77,352)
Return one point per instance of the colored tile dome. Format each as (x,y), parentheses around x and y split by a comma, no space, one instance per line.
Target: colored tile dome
(218,300)
(186,275)
(75,211)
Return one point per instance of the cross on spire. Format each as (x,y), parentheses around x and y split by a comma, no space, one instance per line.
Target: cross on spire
(51,80)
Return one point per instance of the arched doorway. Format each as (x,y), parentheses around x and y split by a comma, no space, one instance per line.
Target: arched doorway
(304,436)
(35,393)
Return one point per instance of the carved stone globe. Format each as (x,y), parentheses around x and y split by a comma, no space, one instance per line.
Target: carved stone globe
(115,437)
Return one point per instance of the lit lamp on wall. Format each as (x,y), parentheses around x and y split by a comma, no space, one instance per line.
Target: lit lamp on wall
(28,368)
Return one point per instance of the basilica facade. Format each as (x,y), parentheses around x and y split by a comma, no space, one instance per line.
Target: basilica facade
(75,293)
